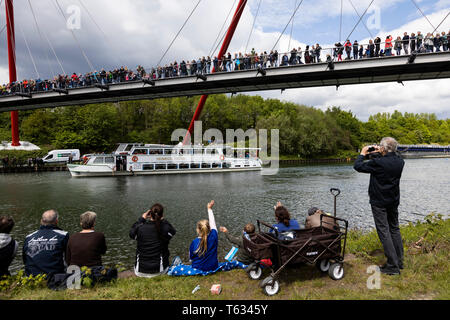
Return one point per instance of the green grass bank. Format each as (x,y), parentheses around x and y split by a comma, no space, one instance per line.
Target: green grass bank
(426,276)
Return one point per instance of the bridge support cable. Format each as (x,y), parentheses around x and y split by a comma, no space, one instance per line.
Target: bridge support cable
(58,8)
(48,40)
(448,14)
(229,35)
(179,31)
(239,11)
(340,22)
(418,8)
(365,25)
(292,29)
(287,25)
(254,23)
(100,29)
(360,19)
(214,46)
(29,52)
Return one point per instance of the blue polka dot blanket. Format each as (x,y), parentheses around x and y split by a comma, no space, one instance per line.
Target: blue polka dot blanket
(188,270)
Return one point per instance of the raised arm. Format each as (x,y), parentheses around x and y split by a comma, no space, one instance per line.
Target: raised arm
(212,220)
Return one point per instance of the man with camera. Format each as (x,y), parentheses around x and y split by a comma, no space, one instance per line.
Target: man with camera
(385,168)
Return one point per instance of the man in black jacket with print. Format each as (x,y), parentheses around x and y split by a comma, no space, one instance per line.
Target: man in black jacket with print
(384,192)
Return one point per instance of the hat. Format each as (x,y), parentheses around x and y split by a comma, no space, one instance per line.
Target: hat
(312,210)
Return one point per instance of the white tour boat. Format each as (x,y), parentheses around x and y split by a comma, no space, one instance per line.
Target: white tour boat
(147,159)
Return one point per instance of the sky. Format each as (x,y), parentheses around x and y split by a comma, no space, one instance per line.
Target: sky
(111,33)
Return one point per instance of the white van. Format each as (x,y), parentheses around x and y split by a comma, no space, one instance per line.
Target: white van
(62,156)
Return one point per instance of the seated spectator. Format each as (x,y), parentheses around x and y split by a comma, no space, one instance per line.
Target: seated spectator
(203,250)
(153,234)
(43,250)
(8,246)
(85,249)
(285,223)
(242,255)
(313,219)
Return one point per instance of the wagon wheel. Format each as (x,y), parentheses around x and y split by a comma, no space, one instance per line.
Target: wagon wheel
(255,273)
(270,286)
(336,271)
(323,265)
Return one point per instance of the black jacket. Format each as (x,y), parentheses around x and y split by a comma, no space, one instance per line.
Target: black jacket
(152,251)
(385,173)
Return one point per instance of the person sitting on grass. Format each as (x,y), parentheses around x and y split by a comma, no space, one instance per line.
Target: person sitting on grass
(242,254)
(153,234)
(85,249)
(203,250)
(8,246)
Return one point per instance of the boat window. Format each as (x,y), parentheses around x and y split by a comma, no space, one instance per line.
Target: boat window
(109,159)
(169,151)
(160,167)
(140,151)
(184,166)
(172,166)
(147,167)
(206,165)
(227,165)
(129,147)
(195,165)
(216,165)
(99,160)
(156,151)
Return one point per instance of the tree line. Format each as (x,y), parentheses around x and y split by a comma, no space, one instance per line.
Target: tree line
(305,132)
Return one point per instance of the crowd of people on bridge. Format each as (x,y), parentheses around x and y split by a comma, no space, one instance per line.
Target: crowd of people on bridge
(50,250)
(348,50)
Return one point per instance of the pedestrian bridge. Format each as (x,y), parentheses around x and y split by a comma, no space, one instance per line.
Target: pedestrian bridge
(373,70)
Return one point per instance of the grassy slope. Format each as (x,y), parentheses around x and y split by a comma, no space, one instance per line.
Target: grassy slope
(426,276)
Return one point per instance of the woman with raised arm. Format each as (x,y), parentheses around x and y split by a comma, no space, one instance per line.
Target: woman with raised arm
(203,250)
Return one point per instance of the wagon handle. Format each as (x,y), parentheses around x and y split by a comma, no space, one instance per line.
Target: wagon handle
(335,192)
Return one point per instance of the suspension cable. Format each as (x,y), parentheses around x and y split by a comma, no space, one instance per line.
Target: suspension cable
(3,29)
(101,30)
(74,36)
(340,23)
(292,29)
(42,40)
(360,19)
(221,29)
(441,22)
(225,33)
(29,52)
(422,13)
(253,26)
(179,31)
(365,25)
(289,22)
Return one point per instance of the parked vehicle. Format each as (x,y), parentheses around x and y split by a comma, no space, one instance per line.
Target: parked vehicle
(62,156)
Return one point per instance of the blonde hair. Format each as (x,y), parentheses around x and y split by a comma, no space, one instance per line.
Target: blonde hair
(203,230)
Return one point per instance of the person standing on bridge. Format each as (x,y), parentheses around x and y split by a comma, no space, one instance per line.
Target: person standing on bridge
(388,46)
(419,40)
(384,191)
(355,49)
(405,41)
(444,40)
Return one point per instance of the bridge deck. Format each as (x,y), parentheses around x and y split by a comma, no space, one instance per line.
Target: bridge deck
(376,70)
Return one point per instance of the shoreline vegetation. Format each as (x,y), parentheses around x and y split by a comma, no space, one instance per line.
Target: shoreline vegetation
(426,276)
(305,132)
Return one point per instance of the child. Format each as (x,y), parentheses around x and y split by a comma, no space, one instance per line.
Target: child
(242,255)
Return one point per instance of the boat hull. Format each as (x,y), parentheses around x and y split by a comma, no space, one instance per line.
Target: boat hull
(76,172)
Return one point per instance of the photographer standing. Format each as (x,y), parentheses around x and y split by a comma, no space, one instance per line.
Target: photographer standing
(385,168)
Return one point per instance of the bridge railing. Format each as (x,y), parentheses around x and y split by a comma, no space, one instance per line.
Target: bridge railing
(247,61)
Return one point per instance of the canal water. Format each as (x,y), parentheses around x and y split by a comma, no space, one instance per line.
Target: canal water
(240,198)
